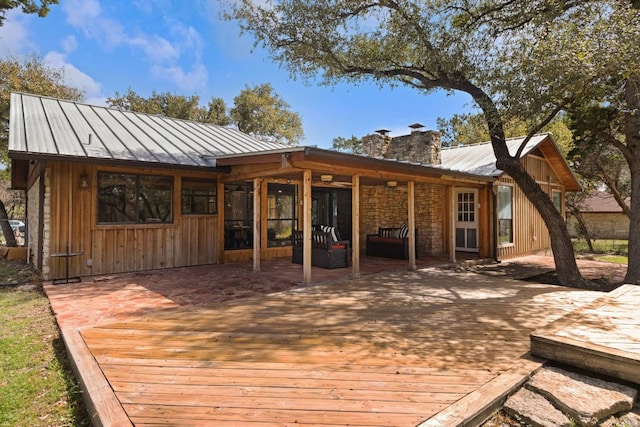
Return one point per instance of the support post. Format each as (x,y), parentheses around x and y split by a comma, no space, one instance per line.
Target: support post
(411,207)
(257,223)
(306,227)
(355,226)
(452,218)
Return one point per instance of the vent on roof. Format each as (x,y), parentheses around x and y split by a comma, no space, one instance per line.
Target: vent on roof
(383,132)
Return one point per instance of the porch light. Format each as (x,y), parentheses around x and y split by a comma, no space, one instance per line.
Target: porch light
(326,178)
(84,180)
(392,184)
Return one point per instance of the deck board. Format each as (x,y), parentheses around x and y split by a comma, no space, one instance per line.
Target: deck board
(395,350)
(603,336)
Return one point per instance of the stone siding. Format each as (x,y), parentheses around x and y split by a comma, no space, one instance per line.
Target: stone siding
(375,145)
(387,207)
(33,222)
(46,233)
(422,147)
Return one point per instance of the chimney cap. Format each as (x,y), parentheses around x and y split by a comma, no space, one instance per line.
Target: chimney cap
(383,131)
(416,126)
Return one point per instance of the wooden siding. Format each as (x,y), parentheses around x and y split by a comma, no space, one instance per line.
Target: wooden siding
(71,216)
(530,234)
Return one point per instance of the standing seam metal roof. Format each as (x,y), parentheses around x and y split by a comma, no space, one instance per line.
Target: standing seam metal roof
(49,126)
(479,159)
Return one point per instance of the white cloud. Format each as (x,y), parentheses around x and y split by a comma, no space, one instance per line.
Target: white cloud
(69,44)
(165,54)
(86,15)
(72,75)
(14,37)
(158,49)
(189,81)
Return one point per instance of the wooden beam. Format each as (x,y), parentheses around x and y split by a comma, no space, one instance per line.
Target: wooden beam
(355,226)
(371,173)
(257,195)
(411,208)
(244,172)
(306,227)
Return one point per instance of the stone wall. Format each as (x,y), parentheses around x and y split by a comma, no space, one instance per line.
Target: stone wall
(606,225)
(375,145)
(46,234)
(33,222)
(422,147)
(387,207)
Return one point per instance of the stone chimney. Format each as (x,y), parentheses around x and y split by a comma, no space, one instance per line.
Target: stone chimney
(420,146)
(376,145)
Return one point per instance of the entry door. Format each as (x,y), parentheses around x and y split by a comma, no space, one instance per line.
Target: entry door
(467,220)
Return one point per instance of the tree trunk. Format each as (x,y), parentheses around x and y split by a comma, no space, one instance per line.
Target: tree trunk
(561,245)
(9,237)
(583,230)
(632,136)
(563,254)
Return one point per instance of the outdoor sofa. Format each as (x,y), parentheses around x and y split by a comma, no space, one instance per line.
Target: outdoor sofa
(390,242)
(327,250)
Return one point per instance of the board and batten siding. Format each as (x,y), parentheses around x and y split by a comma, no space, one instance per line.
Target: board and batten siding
(70,215)
(530,234)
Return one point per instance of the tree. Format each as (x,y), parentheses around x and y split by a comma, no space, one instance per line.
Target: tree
(471,128)
(260,112)
(30,75)
(257,111)
(352,145)
(427,45)
(28,6)
(172,105)
(593,57)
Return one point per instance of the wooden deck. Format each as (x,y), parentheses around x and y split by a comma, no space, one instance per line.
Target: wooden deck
(404,349)
(602,337)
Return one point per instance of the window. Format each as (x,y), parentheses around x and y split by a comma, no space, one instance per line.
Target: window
(281,214)
(134,199)
(198,197)
(556,197)
(505,215)
(238,216)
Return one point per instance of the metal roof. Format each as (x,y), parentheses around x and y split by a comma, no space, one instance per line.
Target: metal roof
(54,127)
(479,159)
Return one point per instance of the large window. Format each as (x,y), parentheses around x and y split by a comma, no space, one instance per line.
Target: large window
(198,197)
(505,215)
(556,197)
(134,199)
(281,214)
(238,216)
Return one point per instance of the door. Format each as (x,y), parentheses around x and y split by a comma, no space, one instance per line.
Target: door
(467,220)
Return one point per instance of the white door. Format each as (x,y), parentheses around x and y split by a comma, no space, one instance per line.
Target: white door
(467,220)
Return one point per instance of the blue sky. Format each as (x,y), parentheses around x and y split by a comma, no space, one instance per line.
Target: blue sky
(183,47)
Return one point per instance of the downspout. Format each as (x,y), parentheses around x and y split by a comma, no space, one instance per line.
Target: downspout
(494,222)
(41,195)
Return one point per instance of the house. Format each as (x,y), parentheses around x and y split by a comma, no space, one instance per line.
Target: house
(603,217)
(113,191)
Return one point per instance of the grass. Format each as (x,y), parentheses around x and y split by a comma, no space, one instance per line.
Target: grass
(602,246)
(37,386)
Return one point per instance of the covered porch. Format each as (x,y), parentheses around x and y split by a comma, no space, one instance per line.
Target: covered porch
(268,196)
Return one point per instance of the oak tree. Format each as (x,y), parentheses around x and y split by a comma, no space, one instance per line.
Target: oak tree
(426,45)
(261,112)
(30,75)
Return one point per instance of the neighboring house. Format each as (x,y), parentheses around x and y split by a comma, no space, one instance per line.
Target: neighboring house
(130,192)
(603,217)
